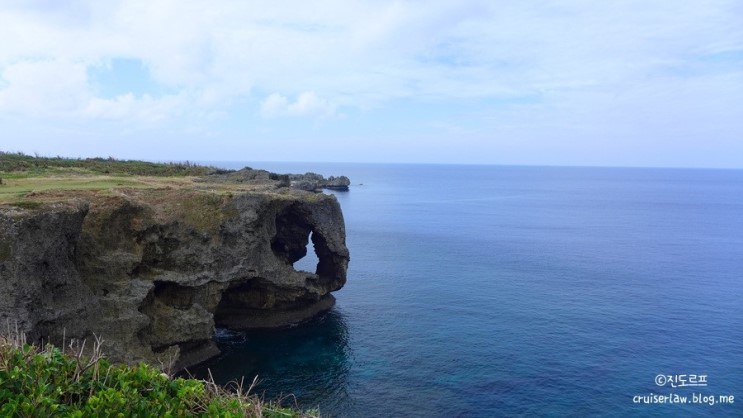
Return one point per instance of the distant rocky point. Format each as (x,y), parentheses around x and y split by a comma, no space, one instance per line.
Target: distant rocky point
(311,182)
(316,182)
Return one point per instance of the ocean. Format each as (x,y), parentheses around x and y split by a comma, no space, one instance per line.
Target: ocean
(485,291)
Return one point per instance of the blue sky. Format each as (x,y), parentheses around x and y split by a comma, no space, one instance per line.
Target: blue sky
(572,82)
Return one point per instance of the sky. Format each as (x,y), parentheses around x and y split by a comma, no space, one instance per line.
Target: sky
(573,82)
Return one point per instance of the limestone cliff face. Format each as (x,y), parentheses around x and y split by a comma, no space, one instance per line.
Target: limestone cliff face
(154,271)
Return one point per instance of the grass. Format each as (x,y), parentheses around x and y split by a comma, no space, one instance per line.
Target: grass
(75,382)
(19,190)
(18,187)
(25,179)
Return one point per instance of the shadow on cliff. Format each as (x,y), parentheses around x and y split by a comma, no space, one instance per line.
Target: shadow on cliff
(310,361)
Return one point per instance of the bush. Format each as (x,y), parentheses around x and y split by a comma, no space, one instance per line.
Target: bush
(19,162)
(44,382)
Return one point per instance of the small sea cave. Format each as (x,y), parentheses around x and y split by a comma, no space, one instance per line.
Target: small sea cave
(258,303)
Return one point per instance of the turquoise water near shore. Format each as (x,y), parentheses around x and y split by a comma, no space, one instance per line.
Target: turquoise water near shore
(517,291)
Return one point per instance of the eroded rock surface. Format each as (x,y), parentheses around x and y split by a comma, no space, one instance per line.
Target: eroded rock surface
(154,271)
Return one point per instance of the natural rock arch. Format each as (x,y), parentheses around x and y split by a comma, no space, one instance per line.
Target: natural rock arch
(174,265)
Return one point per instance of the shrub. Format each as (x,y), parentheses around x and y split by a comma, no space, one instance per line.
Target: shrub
(42,382)
(19,162)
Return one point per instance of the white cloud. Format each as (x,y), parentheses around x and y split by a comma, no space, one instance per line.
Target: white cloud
(42,86)
(306,104)
(126,106)
(274,105)
(59,89)
(368,52)
(575,58)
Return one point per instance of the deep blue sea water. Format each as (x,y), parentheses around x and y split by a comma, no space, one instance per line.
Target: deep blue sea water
(483,291)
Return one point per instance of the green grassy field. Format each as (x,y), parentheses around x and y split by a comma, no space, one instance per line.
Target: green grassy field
(27,181)
(19,189)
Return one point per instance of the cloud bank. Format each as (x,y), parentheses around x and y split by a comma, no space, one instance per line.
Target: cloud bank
(527,71)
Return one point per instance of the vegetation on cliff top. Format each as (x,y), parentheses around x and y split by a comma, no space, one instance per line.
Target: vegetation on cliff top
(19,164)
(27,181)
(44,382)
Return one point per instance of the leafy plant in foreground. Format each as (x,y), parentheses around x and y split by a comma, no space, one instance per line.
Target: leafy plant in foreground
(44,382)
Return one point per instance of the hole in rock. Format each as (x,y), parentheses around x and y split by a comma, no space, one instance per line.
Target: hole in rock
(309,261)
(293,235)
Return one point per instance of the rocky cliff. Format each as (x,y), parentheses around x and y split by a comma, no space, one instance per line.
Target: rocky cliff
(154,271)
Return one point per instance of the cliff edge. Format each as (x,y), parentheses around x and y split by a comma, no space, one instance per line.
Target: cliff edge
(153,270)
